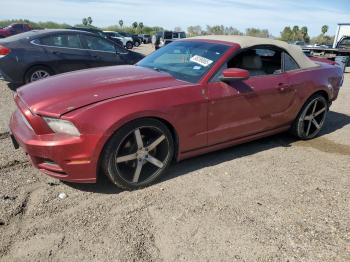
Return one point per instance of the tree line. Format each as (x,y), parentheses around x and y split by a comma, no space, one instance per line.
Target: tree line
(288,34)
(296,33)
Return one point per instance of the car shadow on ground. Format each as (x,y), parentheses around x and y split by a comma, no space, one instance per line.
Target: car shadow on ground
(335,121)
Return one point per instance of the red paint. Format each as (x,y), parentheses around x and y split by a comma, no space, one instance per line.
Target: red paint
(206,116)
(235,73)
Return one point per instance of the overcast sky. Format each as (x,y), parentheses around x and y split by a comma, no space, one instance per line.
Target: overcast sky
(272,14)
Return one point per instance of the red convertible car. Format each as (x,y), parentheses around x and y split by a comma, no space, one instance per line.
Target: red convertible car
(188,98)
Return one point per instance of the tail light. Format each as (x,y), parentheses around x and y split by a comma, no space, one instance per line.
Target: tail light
(4,51)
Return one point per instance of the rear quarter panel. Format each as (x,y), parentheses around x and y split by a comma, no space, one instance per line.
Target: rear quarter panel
(326,78)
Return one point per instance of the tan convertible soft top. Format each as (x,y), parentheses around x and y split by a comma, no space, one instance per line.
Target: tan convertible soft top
(249,41)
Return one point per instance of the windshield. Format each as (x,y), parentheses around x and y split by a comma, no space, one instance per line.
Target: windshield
(185,60)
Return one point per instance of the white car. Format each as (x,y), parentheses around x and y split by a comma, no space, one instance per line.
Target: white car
(127,41)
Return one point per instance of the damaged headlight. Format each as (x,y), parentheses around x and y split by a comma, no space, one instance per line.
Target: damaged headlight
(62,126)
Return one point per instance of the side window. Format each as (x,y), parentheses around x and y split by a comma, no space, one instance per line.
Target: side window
(345,43)
(258,61)
(17,27)
(62,40)
(289,63)
(98,44)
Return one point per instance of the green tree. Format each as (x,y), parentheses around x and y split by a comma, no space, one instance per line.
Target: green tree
(257,32)
(194,30)
(89,20)
(85,21)
(287,34)
(304,32)
(295,33)
(121,22)
(215,30)
(141,26)
(324,29)
(134,25)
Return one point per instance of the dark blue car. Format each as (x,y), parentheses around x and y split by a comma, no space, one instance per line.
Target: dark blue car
(37,54)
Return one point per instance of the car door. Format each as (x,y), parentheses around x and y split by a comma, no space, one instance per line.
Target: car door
(102,51)
(232,112)
(65,52)
(243,108)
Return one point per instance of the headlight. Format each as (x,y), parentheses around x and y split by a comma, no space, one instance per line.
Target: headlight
(62,126)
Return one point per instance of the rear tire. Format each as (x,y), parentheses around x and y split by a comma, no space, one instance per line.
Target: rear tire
(138,154)
(137,44)
(311,118)
(37,73)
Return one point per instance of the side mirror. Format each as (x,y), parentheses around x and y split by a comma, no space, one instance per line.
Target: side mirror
(234,74)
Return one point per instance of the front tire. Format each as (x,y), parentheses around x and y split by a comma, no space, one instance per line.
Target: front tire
(311,118)
(138,154)
(137,44)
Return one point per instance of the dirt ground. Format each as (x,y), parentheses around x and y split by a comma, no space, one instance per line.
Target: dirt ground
(275,199)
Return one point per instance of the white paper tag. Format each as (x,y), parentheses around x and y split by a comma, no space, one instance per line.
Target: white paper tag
(201,60)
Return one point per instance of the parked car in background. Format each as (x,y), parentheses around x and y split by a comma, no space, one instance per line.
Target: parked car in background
(146,39)
(188,98)
(136,40)
(14,29)
(127,41)
(162,38)
(98,32)
(37,54)
(299,43)
(178,35)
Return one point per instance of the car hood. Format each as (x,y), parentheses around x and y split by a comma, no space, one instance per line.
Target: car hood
(63,93)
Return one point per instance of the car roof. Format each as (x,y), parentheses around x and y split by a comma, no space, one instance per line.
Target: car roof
(249,41)
(30,35)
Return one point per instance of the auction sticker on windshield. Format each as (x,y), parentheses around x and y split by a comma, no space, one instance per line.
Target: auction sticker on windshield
(201,60)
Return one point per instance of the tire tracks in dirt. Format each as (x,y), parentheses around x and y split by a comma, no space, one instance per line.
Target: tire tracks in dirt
(14,164)
(17,215)
(4,135)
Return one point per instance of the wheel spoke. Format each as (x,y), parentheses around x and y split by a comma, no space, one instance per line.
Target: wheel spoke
(308,128)
(138,138)
(320,112)
(154,161)
(137,173)
(316,124)
(156,143)
(126,158)
(308,118)
(314,109)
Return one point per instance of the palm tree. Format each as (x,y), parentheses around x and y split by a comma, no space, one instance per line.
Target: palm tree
(324,29)
(85,21)
(89,20)
(141,26)
(295,32)
(304,32)
(121,22)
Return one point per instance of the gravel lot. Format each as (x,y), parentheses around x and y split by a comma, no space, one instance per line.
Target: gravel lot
(276,199)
